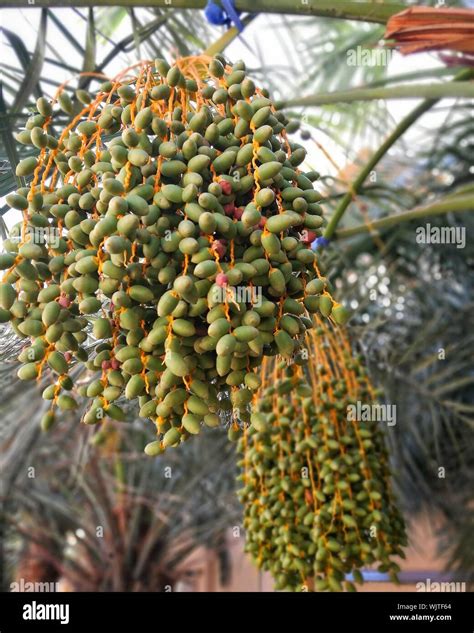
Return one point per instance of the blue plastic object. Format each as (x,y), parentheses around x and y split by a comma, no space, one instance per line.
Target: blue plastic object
(223,15)
(215,14)
(233,14)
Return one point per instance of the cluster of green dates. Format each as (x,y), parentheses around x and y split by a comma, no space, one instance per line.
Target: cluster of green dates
(316,490)
(164,245)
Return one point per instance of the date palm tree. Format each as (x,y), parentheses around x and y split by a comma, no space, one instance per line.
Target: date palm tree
(413,301)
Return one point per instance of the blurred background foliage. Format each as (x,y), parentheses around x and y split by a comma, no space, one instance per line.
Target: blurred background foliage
(413,305)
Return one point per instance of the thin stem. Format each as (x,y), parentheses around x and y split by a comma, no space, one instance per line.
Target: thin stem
(226,39)
(412,76)
(454,89)
(341,9)
(447,205)
(414,115)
